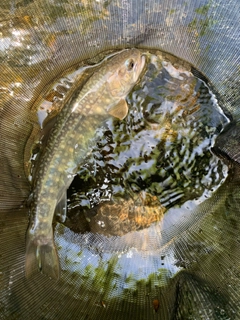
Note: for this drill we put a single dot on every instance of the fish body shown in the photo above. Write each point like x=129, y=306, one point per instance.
x=102, y=95
x=124, y=216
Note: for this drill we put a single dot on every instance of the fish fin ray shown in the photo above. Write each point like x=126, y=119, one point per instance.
x=41, y=256
x=61, y=207
x=119, y=110
x=31, y=259
x=49, y=261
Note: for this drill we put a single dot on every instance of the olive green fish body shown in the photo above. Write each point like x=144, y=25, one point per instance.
x=103, y=94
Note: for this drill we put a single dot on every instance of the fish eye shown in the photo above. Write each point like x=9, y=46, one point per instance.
x=129, y=64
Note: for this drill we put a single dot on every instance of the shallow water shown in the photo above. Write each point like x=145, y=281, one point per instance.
x=144, y=183
x=193, y=273
x=159, y=157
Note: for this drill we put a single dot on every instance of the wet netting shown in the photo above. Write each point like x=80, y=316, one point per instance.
x=151, y=226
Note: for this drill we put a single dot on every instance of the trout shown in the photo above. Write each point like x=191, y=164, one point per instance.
x=102, y=95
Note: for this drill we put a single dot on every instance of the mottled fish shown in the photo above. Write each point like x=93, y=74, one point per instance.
x=124, y=216
x=102, y=95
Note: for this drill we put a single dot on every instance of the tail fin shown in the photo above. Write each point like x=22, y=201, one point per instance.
x=41, y=254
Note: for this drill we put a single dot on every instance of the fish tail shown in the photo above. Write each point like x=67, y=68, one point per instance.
x=41, y=254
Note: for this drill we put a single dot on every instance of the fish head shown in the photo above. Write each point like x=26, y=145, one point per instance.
x=127, y=67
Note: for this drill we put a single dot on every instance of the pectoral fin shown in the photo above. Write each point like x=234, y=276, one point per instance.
x=119, y=110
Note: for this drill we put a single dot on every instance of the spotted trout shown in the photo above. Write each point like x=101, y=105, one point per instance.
x=102, y=95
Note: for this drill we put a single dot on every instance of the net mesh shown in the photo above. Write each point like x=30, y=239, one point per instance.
x=195, y=276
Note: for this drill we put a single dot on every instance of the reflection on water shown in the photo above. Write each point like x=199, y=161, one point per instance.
x=184, y=256
x=162, y=150
x=143, y=185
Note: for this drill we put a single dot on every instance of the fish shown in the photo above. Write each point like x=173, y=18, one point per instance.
x=124, y=216
x=103, y=95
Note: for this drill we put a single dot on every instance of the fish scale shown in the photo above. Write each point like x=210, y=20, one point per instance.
x=102, y=95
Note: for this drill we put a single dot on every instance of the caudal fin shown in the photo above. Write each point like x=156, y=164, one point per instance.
x=43, y=257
